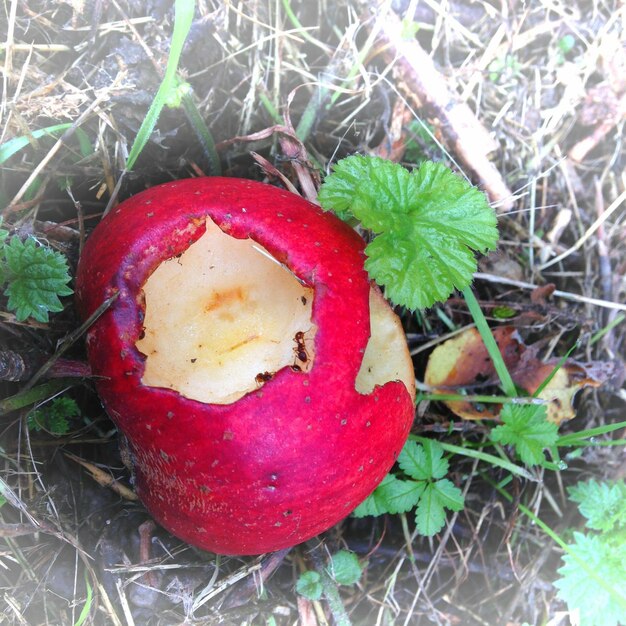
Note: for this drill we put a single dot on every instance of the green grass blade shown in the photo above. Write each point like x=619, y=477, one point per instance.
x=291, y=16
x=84, y=143
x=458, y=397
x=202, y=132
x=490, y=343
x=183, y=11
x=270, y=108
x=554, y=371
x=482, y=456
x=607, y=329
x=11, y=147
x=577, y=439
x=35, y=394
x=84, y=614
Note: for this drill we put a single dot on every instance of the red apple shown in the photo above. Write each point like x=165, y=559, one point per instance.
x=263, y=383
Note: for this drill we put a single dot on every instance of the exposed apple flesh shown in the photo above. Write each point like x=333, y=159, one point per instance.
x=256, y=463
x=222, y=318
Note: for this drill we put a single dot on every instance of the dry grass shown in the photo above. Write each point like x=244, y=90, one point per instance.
x=68, y=541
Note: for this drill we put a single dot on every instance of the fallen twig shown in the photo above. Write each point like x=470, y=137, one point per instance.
x=104, y=478
x=581, y=149
x=467, y=137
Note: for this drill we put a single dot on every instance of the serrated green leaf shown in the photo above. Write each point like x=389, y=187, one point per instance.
x=602, y=503
x=423, y=461
x=526, y=428
x=597, y=602
x=391, y=496
x=338, y=190
x=429, y=224
x=399, y=495
x=450, y=496
x=37, y=276
x=430, y=515
x=309, y=585
x=345, y=568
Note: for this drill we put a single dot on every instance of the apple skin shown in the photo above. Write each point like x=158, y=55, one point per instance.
x=283, y=463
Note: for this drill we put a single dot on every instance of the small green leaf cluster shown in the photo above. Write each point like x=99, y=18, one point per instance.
x=593, y=577
x=344, y=569
x=53, y=417
x=309, y=585
x=428, y=222
x=526, y=428
x=564, y=46
x=504, y=68
x=420, y=140
x=35, y=277
x=426, y=489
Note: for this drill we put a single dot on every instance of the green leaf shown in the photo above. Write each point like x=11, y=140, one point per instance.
x=309, y=585
x=345, y=568
x=597, y=602
x=391, y=496
x=37, y=276
x=430, y=515
x=4, y=233
x=54, y=416
x=30, y=396
x=424, y=461
x=603, y=504
x=9, y=148
x=429, y=224
x=449, y=495
x=526, y=428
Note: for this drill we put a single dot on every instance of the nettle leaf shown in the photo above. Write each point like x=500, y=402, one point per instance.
x=391, y=496
x=603, y=504
x=36, y=277
x=597, y=590
x=429, y=222
x=345, y=568
x=430, y=514
x=526, y=428
x=423, y=461
x=309, y=585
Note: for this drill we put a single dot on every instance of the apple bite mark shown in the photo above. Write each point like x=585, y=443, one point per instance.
x=387, y=357
x=222, y=318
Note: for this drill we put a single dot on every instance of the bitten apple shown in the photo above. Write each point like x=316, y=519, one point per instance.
x=262, y=382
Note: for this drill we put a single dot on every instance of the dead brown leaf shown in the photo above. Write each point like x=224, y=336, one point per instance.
x=463, y=365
